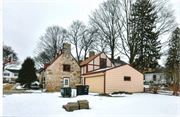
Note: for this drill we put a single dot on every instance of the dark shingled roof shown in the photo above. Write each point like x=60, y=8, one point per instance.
x=157, y=70
x=118, y=62
x=13, y=70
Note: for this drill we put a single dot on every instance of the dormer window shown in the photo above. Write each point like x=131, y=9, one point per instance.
x=66, y=68
x=103, y=63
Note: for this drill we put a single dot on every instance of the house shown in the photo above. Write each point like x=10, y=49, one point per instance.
x=102, y=76
x=38, y=74
x=10, y=75
x=63, y=71
x=157, y=77
x=118, y=62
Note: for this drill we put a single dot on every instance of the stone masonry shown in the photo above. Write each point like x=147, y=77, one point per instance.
x=55, y=73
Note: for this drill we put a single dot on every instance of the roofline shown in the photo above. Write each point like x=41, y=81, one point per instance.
x=153, y=72
x=111, y=69
x=13, y=69
x=57, y=58
x=124, y=65
x=75, y=60
x=91, y=60
x=96, y=57
x=109, y=58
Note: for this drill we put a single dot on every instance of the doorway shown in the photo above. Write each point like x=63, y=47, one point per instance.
x=66, y=82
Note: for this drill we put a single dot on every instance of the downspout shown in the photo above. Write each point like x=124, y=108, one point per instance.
x=104, y=82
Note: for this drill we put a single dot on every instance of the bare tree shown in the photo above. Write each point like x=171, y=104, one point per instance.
x=49, y=44
x=164, y=22
x=100, y=45
x=88, y=40
x=75, y=35
x=7, y=50
x=104, y=20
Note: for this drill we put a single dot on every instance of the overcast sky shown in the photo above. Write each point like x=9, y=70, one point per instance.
x=24, y=21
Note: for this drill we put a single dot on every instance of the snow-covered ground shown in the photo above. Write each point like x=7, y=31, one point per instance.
x=50, y=104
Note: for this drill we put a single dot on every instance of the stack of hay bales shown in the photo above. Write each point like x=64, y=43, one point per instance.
x=80, y=104
x=83, y=104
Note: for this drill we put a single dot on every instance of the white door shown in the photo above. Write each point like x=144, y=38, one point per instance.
x=66, y=82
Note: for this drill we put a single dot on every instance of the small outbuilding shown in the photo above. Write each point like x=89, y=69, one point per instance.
x=112, y=79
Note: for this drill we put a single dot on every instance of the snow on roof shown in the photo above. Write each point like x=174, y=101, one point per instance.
x=102, y=69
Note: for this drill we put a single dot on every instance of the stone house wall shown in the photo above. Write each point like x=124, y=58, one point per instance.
x=55, y=74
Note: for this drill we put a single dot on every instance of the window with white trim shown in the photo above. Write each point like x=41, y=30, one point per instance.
x=6, y=74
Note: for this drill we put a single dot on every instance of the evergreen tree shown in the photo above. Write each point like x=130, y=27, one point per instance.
x=142, y=20
x=172, y=64
x=27, y=73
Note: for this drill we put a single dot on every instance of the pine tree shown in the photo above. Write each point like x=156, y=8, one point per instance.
x=172, y=64
x=143, y=21
x=27, y=73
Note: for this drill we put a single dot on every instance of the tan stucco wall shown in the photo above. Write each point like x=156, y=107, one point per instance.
x=91, y=62
x=90, y=67
x=103, y=55
x=115, y=80
x=96, y=61
x=55, y=73
x=95, y=82
x=96, y=67
x=81, y=70
x=109, y=62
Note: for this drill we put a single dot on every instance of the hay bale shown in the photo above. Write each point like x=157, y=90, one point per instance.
x=83, y=104
x=71, y=106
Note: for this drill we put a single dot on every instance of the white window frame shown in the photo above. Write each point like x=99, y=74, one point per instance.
x=82, y=81
x=64, y=81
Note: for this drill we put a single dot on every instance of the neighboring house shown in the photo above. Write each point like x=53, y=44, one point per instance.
x=118, y=62
x=10, y=74
x=100, y=73
x=157, y=77
x=63, y=71
x=38, y=74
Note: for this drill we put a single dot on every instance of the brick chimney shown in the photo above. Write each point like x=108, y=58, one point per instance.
x=66, y=48
x=91, y=53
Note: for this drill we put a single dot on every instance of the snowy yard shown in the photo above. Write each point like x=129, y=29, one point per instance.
x=50, y=104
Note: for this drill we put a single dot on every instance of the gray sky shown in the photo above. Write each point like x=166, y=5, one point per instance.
x=24, y=21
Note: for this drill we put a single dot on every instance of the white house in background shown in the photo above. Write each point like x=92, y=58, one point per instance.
x=10, y=74
x=157, y=77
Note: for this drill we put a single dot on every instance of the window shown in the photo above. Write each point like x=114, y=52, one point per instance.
x=16, y=74
x=103, y=63
x=66, y=67
x=6, y=74
x=66, y=82
x=154, y=77
x=171, y=78
x=127, y=78
x=82, y=81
